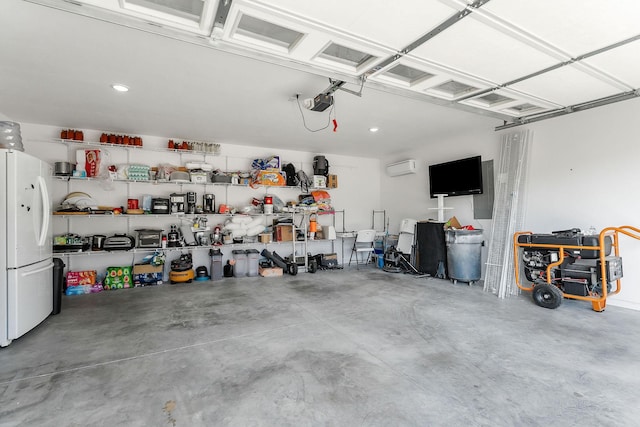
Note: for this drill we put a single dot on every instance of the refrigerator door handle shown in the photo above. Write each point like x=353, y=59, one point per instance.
x=46, y=211
x=40, y=270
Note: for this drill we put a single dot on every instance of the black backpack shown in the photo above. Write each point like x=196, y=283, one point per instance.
x=292, y=177
x=227, y=270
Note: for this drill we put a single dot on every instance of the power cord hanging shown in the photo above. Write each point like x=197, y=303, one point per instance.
x=329, y=120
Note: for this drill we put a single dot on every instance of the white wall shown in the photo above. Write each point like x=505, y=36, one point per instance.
x=407, y=196
x=356, y=176
x=583, y=172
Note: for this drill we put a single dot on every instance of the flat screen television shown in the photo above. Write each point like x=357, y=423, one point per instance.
x=457, y=178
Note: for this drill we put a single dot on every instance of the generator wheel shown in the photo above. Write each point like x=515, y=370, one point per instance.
x=313, y=266
x=547, y=296
x=292, y=268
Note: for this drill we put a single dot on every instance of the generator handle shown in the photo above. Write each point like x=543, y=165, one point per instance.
x=627, y=230
x=516, y=261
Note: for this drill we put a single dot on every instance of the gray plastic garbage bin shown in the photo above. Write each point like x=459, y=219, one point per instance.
x=464, y=253
x=240, y=267
x=253, y=258
x=216, y=264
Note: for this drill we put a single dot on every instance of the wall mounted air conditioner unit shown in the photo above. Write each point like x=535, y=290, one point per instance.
x=402, y=168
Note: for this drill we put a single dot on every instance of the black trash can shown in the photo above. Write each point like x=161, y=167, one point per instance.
x=58, y=277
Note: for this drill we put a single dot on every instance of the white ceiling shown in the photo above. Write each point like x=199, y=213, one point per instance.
x=208, y=76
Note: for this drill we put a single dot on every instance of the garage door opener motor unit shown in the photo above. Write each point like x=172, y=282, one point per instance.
x=570, y=264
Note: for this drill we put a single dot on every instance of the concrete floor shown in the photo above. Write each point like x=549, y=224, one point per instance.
x=335, y=348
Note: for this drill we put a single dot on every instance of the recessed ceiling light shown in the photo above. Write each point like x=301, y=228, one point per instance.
x=373, y=129
x=119, y=87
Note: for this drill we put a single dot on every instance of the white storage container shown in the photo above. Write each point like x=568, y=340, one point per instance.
x=240, y=267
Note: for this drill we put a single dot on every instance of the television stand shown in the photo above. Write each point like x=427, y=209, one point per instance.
x=441, y=208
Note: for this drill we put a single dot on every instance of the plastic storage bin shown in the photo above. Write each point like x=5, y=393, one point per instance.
x=240, y=267
x=464, y=253
x=253, y=256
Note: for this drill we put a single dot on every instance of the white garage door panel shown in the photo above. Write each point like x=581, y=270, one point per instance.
x=574, y=26
x=475, y=48
x=566, y=86
x=392, y=24
x=622, y=63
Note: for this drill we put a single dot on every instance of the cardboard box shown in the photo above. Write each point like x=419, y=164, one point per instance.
x=284, y=233
x=265, y=237
x=77, y=278
x=332, y=181
x=147, y=274
x=319, y=181
x=270, y=272
x=453, y=224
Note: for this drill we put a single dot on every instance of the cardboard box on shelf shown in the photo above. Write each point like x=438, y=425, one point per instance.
x=332, y=181
x=284, y=233
x=270, y=272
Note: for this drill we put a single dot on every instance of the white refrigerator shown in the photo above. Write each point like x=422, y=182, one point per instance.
x=26, y=260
